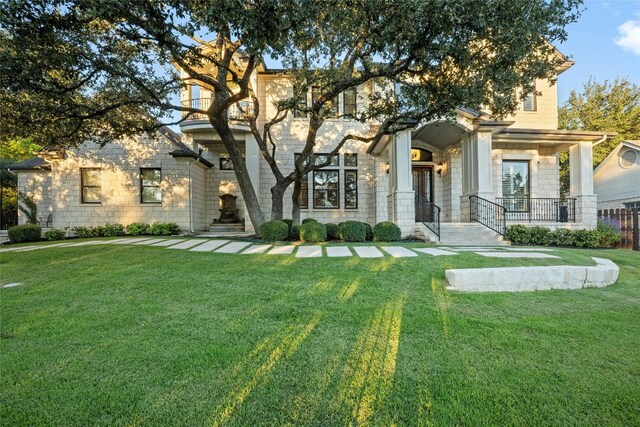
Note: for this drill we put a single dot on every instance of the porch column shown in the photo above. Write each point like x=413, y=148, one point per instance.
x=477, y=170
x=401, y=199
x=252, y=159
x=581, y=183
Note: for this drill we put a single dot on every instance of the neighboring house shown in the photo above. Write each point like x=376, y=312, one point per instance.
x=616, y=181
x=438, y=174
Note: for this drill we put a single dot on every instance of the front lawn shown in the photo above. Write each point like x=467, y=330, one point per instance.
x=133, y=335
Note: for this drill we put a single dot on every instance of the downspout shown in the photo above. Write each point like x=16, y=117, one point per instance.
x=190, y=201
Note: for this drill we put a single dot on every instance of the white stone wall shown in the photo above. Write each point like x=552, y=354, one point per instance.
x=37, y=185
x=120, y=164
x=451, y=184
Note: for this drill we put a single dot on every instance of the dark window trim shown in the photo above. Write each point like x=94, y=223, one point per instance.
x=142, y=187
x=526, y=207
x=225, y=168
x=353, y=171
x=353, y=156
x=315, y=91
x=354, y=104
x=82, y=186
x=314, y=189
x=297, y=114
x=302, y=191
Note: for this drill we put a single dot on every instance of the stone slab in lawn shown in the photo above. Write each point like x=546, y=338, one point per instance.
x=169, y=242
x=281, y=250
x=149, y=242
x=209, y=246
x=11, y=285
x=338, y=251
x=233, y=247
x=187, y=244
x=368, y=252
x=256, y=249
x=309, y=252
x=435, y=252
x=516, y=255
x=528, y=249
x=127, y=241
x=398, y=251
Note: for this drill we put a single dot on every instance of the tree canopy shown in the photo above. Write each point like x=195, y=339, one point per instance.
x=78, y=70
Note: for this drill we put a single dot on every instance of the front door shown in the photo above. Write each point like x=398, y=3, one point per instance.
x=423, y=190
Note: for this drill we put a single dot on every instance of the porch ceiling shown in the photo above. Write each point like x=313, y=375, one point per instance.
x=439, y=134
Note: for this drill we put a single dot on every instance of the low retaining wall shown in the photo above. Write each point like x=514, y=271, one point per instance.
x=523, y=279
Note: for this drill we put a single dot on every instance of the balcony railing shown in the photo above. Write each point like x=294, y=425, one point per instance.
x=240, y=111
x=491, y=215
x=539, y=209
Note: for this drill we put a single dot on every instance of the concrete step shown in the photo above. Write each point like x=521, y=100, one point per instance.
x=227, y=228
x=463, y=234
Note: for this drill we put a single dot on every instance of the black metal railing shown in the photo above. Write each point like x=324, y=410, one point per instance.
x=539, y=209
x=239, y=111
x=488, y=213
x=428, y=213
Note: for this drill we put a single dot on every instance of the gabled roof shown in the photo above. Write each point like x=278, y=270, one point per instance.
x=35, y=164
x=633, y=144
x=182, y=150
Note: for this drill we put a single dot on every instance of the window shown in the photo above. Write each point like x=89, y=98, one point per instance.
x=299, y=112
x=150, y=191
x=304, y=193
x=351, y=189
x=515, y=185
x=319, y=159
x=91, y=185
x=529, y=102
x=349, y=100
x=332, y=105
x=350, y=160
x=628, y=158
x=226, y=164
x=326, y=189
x=632, y=205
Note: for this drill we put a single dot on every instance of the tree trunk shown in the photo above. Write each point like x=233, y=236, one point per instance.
x=295, y=198
x=242, y=175
x=277, y=201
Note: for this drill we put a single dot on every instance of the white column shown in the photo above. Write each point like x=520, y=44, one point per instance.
x=477, y=170
x=252, y=160
x=401, y=200
x=581, y=183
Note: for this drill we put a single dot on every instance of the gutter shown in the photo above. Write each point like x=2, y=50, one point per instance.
x=190, y=201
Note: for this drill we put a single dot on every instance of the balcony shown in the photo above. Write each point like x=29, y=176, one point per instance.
x=526, y=209
x=238, y=115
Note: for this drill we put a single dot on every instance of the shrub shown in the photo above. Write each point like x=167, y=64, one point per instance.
x=333, y=232
x=137, y=228
x=608, y=233
x=289, y=224
x=112, y=230
x=518, y=234
x=353, y=231
x=98, y=231
x=295, y=233
x=313, y=231
x=163, y=229
x=55, y=234
x=83, y=232
x=386, y=231
x=306, y=220
x=24, y=233
x=562, y=237
x=539, y=235
x=274, y=231
x=369, y=231
x=586, y=238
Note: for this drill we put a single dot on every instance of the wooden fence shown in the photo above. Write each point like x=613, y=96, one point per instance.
x=629, y=227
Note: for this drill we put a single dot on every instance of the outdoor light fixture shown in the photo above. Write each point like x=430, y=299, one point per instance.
x=439, y=168
x=386, y=168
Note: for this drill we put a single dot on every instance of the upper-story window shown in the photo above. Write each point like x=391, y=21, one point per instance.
x=529, y=102
x=299, y=112
x=331, y=105
x=349, y=102
x=91, y=185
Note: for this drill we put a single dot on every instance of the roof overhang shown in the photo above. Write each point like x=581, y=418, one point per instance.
x=550, y=136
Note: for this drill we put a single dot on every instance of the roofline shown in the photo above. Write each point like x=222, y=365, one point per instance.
x=631, y=144
x=200, y=159
x=553, y=134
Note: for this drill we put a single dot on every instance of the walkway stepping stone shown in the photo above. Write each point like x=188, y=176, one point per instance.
x=169, y=242
x=233, y=247
x=399, y=251
x=336, y=251
x=368, y=252
x=150, y=242
x=516, y=255
x=11, y=285
x=281, y=250
x=256, y=249
x=12, y=249
x=187, y=244
x=468, y=249
x=90, y=242
x=309, y=252
x=209, y=246
x=117, y=241
x=127, y=241
x=434, y=251
x=33, y=248
x=529, y=249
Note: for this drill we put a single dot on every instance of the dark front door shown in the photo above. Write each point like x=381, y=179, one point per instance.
x=423, y=189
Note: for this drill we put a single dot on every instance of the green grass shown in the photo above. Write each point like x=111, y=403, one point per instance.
x=112, y=335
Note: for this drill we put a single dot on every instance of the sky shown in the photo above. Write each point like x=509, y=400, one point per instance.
x=604, y=43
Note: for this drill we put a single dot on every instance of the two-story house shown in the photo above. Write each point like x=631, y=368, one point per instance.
x=476, y=174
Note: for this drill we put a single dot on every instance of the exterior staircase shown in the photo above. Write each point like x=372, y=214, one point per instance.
x=230, y=229
x=461, y=234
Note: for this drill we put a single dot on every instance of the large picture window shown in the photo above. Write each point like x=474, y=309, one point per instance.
x=515, y=185
x=91, y=185
x=150, y=191
x=326, y=189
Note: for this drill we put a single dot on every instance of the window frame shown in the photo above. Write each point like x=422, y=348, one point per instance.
x=142, y=187
x=337, y=172
x=334, y=110
x=513, y=205
x=302, y=102
x=534, y=101
x=350, y=156
x=354, y=104
x=83, y=186
x=347, y=190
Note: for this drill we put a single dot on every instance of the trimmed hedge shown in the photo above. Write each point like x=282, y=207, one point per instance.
x=137, y=228
x=163, y=229
x=313, y=232
x=604, y=236
x=54, y=234
x=24, y=233
x=273, y=231
x=295, y=233
x=369, y=230
x=306, y=220
x=386, y=231
x=333, y=231
x=113, y=230
x=353, y=231
x=289, y=224
x=82, y=232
